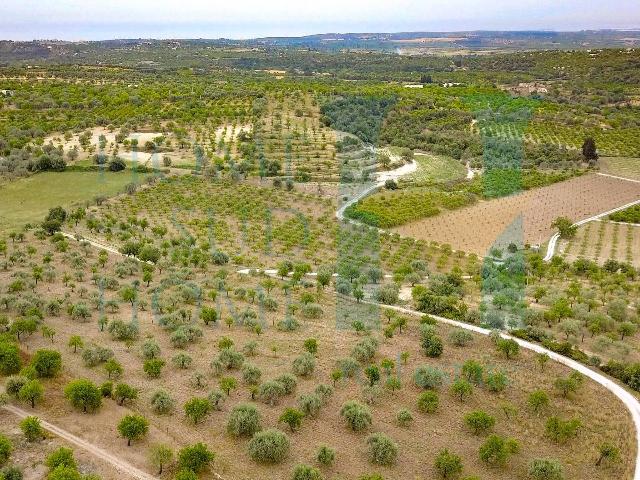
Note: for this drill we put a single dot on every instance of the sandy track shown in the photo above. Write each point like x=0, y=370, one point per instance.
x=120, y=465
x=625, y=397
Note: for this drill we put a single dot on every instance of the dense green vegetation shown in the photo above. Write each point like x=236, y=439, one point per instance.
x=360, y=116
x=629, y=215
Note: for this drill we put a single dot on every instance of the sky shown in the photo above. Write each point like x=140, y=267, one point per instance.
x=92, y=20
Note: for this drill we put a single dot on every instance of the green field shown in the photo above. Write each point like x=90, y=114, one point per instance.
x=29, y=199
x=436, y=168
x=628, y=167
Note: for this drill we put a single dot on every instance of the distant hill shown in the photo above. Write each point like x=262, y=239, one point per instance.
x=413, y=43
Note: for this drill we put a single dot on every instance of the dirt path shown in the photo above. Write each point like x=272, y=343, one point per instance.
x=379, y=183
x=625, y=397
x=122, y=466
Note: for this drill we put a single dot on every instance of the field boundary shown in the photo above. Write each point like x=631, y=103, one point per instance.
x=553, y=241
x=617, y=177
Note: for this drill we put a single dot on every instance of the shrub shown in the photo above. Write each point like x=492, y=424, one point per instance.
x=215, y=398
x=244, y=419
x=32, y=428
x=404, y=417
x=182, y=360
x=304, y=365
x=162, y=402
x=570, y=384
x=461, y=389
x=270, y=392
x=47, y=363
x=106, y=389
x=14, y=384
x=326, y=455
x=428, y=377
x=60, y=457
x=448, y=465
x=323, y=391
x=218, y=257
x=5, y=449
x=348, y=366
x=460, y=337
x=609, y=453
x=311, y=310
x=545, y=469
x=269, y=446
x=153, y=367
x=357, y=415
x=150, y=349
x=251, y=374
x=432, y=346
x=310, y=404
x=538, y=400
x=197, y=408
x=496, y=381
x=230, y=358
x=561, y=430
x=497, y=450
x=311, y=345
x=288, y=381
x=387, y=294
x=95, y=355
x=479, y=421
x=472, y=371
x=186, y=474
x=382, y=450
x=305, y=472
x=428, y=402
x=195, y=457
x=365, y=350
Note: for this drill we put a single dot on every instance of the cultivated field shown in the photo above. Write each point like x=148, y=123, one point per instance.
x=476, y=228
x=291, y=133
x=627, y=167
x=602, y=241
x=603, y=417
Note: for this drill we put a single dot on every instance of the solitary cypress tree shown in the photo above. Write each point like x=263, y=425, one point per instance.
x=589, y=151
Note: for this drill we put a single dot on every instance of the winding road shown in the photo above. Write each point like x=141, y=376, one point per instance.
x=627, y=398
x=382, y=177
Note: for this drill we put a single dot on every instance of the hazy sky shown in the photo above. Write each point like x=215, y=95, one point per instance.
x=91, y=20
